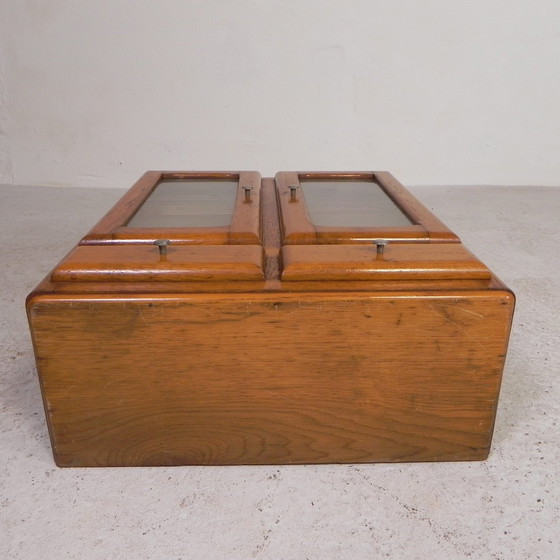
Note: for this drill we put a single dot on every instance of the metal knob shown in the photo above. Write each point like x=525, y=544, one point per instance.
x=162, y=244
x=380, y=245
x=247, y=193
x=293, y=192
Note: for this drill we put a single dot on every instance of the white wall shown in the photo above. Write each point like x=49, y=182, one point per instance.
x=94, y=92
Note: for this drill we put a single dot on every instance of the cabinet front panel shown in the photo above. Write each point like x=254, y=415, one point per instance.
x=270, y=379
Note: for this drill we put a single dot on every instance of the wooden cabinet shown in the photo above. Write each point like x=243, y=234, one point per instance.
x=223, y=318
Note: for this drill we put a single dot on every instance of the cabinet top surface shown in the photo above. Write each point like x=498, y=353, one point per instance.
x=221, y=231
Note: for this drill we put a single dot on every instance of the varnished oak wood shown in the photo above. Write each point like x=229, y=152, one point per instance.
x=449, y=261
x=298, y=228
x=142, y=263
x=294, y=218
x=123, y=209
x=304, y=346
x=243, y=229
x=274, y=379
x=437, y=231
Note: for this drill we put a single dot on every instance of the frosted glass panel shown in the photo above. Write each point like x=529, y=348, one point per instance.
x=351, y=204
x=187, y=204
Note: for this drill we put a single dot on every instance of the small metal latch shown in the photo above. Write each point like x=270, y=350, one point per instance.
x=380, y=244
x=247, y=193
x=162, y=244
x=293, y=191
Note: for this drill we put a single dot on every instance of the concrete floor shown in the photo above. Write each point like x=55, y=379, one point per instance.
x=504, y=508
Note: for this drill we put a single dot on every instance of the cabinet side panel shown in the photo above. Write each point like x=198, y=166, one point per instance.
x=257, y=379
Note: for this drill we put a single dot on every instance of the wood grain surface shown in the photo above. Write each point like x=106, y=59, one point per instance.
x=143, y=263
x=399, y=262
x=244, y=226
x=298, y=227
x=215, y=380
x=271, y=340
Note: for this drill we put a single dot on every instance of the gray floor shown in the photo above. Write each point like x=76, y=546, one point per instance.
x=504, y=508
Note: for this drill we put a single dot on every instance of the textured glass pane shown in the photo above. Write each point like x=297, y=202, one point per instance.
x=187, y=204
x=351, y=204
